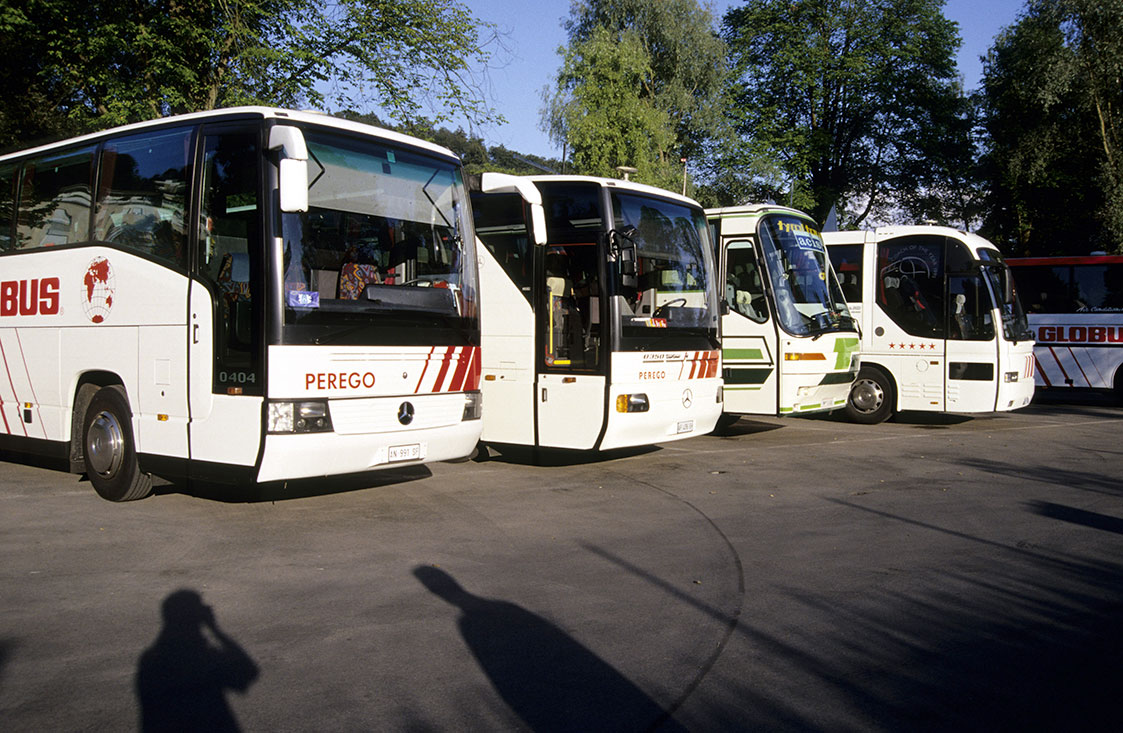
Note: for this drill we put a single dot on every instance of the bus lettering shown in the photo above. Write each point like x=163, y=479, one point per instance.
x=653, y=375
x=29, y=297
x=339, y=380
x=1080, y=334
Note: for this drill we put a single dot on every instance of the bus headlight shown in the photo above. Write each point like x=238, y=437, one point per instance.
x=473, y=406
x=632, y=403
x=298, y=417
x=1009, y=377
x=720, y=394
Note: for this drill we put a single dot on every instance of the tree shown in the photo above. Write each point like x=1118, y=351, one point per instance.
x=605, y=114
x=663, y=64
x=853, y=100
x=90, y=64
x=1054, y=114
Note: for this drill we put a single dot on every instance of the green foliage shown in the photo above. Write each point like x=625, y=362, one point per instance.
x=858, y=101
x=1054, y=91
x=91, y=64
x=639, y=86
x=687, y=58
x=605, y=112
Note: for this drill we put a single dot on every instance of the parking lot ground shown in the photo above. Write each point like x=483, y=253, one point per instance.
x=931, y=573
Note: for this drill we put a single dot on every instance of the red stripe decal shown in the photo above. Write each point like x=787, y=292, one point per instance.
x=423, y=370
x=4, y=356
x=457, y=383
x=31, y=385
x=1073, y=354
x=444, y=370
x=1043, y=373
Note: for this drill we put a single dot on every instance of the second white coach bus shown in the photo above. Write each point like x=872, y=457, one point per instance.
x=1075, y=308
x=942, y=327
x=248, y=294
x=789, y=345
x=599, y=313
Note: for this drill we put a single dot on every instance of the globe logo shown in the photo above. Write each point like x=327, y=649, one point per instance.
x=98, y=287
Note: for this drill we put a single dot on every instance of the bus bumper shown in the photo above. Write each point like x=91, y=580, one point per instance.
x=367, y=436
x=676, y=410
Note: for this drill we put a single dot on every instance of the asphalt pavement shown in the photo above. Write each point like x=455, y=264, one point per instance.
x=930, y=573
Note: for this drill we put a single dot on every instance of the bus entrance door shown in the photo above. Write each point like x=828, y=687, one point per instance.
x=749, y=337
x=972, y=345
x=571, y=375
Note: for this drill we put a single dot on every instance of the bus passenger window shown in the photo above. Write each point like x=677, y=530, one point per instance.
x=7, y=205
x=54, y=200
x=142, y=194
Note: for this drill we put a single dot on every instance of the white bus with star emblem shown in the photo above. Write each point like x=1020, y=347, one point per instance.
x=243, y=295
x=942, y=327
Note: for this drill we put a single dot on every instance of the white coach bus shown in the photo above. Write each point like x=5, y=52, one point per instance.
x=1075, y=308
x=789, y=345
x=942, y=327
x=248, y=294
x=599, y=313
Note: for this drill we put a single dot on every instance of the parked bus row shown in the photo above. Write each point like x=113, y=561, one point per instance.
x=263, y=295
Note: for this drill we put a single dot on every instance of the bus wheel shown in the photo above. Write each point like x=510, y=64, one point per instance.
x=871, y=398
x=109, y=449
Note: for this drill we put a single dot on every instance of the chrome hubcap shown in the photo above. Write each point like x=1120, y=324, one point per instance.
x=105, y=444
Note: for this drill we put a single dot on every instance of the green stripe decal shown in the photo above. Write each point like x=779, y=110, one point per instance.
x=733, y=375
x=746, y=354
x=845, y=348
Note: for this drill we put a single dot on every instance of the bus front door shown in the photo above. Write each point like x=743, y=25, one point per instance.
x=972, y=346
x=749, y=337
x=571, y=384
x=226, y=382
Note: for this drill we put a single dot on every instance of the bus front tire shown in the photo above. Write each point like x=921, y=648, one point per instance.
x=109, y=450
x=871, y=397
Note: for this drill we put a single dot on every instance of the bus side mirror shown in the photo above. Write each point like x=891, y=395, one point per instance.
x=293, y=167
x=1007, y=287
x=623, y=245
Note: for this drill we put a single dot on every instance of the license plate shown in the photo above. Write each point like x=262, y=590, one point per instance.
x=404, y=452
x=685, y=427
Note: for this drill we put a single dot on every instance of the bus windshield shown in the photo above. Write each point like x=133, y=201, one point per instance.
x=384, y=250
x=672, y=289
x=1015, y=325
x=809, y=300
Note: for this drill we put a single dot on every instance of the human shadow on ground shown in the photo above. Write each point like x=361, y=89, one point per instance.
x=549, y=679
x=183, y=678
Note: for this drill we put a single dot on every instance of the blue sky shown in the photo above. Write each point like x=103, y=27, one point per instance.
x=533, y=32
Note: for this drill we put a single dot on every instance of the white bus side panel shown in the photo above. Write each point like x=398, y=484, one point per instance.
x=114, y=313
x=18, y=389
x=915, y=363
x=507, y=345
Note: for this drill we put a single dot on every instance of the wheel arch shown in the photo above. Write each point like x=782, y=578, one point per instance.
x=888, y=375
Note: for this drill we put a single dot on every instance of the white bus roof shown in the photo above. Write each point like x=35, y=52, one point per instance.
x=265, y=113
x=974, y=241
x=614, y=183
x=755, y=210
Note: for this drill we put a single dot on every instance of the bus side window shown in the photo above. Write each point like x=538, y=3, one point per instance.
x=910, y=286
x=142, y=194
x=846, y=259
x=744, y=287
x=54, y=199
x=7, y=205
